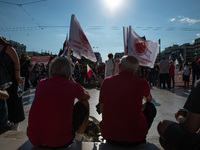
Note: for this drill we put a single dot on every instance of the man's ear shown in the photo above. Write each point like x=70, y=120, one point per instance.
x=119, y=67
x=69, y=76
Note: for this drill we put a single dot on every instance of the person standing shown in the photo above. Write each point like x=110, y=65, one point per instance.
x=186, y=75
x=152, y=75
x=109, y=67
x=121, y=95
x=26, y=66
x=195, y=70
x=116, y=64
x=164, y=72
x=171, y=73
x=14, y=103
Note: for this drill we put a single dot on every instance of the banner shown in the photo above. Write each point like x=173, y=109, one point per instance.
x=41, y=58
x=145, y=51
x=125, y=36
x=78, y=41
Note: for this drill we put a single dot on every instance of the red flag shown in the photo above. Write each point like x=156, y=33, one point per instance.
x=78, y=41
x=89, y=71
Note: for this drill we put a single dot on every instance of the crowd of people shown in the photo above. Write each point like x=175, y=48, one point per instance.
x=124, y=85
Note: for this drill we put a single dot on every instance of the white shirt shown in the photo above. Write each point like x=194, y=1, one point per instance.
x=109, y=68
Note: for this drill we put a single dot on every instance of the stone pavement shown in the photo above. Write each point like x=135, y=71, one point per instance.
x=167, y=103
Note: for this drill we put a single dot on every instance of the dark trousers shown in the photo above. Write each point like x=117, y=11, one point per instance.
x=3, y=112
x=165, y=78
x=150, y=112
x=172, y=78
x=194, y=75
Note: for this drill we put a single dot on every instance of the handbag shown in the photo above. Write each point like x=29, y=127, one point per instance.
x=5, y=77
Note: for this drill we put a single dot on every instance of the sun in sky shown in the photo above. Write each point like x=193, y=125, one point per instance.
x=112, y=4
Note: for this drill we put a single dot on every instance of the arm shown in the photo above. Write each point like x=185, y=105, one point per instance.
x=148, y=98
x=190, y=123
x=4, y=94
x=101, y=107
x=13, y=55
x=86, y=96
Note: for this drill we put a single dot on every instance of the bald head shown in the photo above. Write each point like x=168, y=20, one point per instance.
x=129, y=63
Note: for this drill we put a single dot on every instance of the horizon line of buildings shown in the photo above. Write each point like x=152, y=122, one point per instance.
x=187, y=50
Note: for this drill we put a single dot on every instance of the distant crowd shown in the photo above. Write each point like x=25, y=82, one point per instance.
x=162, y=74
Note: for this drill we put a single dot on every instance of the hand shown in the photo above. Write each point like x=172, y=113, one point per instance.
x=180, y=113
x=20, y=81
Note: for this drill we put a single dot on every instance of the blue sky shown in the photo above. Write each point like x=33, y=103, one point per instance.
x=43, y=24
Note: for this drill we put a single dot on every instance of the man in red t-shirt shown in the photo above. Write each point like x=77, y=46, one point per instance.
x=54, y=120
x=125, y=121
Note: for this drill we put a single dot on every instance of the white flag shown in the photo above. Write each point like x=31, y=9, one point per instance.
x=176, y=62
x=125, y=36
x=78, y=42
x=181, y=56
x=170, y=58
x=145, y=51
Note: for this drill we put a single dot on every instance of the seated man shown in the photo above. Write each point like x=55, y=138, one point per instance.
x=125, y=121
x=54, y=120
x=184, y=134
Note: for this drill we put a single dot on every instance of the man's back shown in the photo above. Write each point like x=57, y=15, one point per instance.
x=50, y=117
x=122, y=117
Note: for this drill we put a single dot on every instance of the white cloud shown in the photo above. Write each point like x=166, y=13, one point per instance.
x=198, y=34
x=190, y=21
x=173, y=19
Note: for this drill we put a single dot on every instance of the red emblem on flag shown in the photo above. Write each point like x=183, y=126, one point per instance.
x=140, y=46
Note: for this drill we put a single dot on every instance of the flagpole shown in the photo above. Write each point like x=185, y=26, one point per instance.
x=69, y=52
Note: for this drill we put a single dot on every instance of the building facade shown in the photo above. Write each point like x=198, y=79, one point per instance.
x=183, y=53
x=197, y=46
x=98, y=56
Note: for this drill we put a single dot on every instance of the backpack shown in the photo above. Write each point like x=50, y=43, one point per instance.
x=5, y=77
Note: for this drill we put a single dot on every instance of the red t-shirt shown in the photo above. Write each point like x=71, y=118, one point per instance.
x=171, y=70
x=122, y=116
x=50, y=116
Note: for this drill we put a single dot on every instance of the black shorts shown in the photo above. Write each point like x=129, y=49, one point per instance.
x=79, y=113
x=176, y=136
x=186, y=78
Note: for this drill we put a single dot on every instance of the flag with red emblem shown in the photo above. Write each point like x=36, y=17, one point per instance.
x=145, y=51
x=78, y=41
